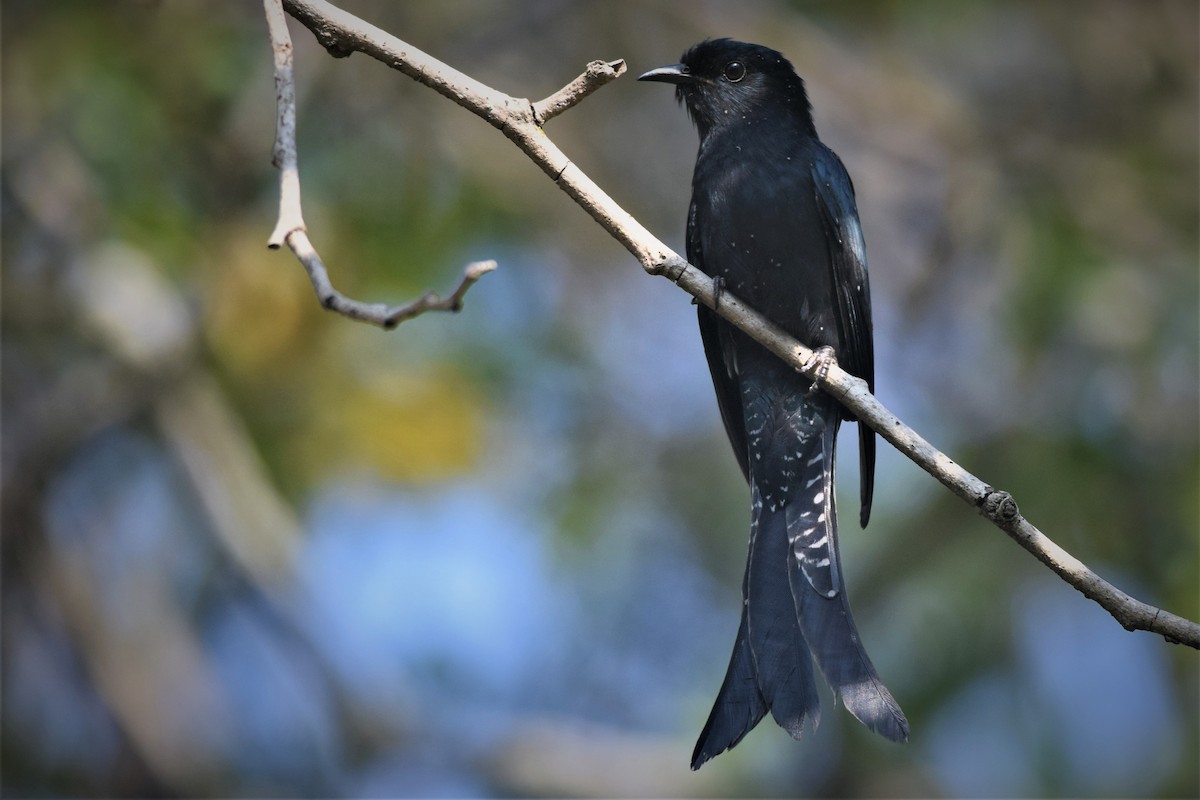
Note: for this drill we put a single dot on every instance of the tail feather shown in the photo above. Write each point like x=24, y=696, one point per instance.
x=785, y=671
x=770, y=668
x=739, y=705
x=821, y=603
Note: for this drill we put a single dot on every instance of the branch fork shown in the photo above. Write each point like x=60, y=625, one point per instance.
x=290, y=229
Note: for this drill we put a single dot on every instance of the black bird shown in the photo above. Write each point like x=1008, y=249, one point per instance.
x=773, y=220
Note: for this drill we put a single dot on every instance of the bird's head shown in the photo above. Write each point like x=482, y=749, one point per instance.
x=722, y=81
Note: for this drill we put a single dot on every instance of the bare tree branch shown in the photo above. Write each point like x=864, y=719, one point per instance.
x=342, y=33
x=290, y=228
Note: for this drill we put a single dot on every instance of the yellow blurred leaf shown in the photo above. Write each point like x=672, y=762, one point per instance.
x=424, y=426
x=256, y=304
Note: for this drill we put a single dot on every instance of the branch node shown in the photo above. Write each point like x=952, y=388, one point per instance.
x=999, y=507
x=431, y=301
x=672, y=267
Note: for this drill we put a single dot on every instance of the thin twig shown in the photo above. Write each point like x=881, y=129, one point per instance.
x=596, y=75
x=380, y=314
x=520, y=120
x=290, y=228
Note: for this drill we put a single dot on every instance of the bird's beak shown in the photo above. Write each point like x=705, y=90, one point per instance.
x=672, y=73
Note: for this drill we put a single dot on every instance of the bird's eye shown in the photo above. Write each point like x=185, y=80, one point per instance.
x=734, y=71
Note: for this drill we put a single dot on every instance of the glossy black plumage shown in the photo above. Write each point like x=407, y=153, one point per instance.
x=773, y=217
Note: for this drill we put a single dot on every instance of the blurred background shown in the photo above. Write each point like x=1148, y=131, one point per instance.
x=253, y=549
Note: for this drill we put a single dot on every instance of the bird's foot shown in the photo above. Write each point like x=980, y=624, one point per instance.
x=821, y=360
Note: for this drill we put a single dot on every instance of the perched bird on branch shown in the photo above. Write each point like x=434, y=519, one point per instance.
x=773, y=220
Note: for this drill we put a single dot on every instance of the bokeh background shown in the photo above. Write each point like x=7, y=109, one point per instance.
x=253, y=549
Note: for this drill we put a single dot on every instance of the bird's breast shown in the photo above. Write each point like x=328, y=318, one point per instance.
x=759, y=228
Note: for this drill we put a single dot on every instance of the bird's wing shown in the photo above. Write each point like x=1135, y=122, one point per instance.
x=848, y=260
x=722, y=363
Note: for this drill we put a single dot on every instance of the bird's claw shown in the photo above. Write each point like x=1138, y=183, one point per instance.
x=718, y=284
x=821, y=360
